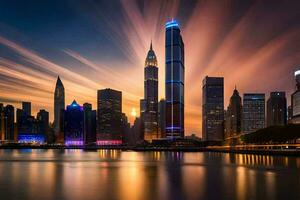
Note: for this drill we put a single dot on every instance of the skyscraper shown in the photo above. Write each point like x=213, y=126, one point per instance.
x=233, y=121
x=276, y=109
x=89, y=124
x=253, y=112
x=150, y=116
x=43, y=121
x=174, y=48
x=74, y=125
x=109, y=117
x=296, y=100
x=59, y=107
x=26, y=106
x=9, y=118
x=213, y=108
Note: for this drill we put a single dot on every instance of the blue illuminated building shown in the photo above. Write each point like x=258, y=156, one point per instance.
x=74, y=125
x=174, y=48
x=31, y=138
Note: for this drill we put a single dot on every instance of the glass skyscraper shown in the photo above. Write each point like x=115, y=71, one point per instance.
x=150, y=115
x=213, y=108
x=174, y=48
x=253, y=112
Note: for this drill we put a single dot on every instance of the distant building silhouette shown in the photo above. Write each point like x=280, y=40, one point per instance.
x=162, y=117
x=9, y=118
x=90, y=124
x=150, y=115
x=43, y=123
x=7, y=115
x=213, y=108
x=233, y=121
x=276, y=109
x=26, y=107
x=109, y=117
x=253, y=112
x=174, y=52
x=74, y=125
x=2, y=125
x=31, y=129
x=59, y=107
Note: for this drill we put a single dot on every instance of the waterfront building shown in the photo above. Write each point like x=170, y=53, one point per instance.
x=277, y=109
x=150, y=114
x=59, y=107
x=90, y=124
x=174, y=81
x=43, y=122
x=9, y=118
x=296, y=100
x=233, y=120
x=253, y=112
x=74, y=125
x=213, y=108
x=109, y=117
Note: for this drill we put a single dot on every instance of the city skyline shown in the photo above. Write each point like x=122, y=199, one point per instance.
x=218, y=42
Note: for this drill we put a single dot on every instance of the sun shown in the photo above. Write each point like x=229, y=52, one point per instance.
x=133, y=112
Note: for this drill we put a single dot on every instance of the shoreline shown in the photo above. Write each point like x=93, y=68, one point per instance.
x=254, y=151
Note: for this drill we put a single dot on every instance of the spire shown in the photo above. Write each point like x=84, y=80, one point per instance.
x=59, y=82
x=151, y=45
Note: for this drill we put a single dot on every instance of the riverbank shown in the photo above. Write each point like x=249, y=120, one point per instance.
x=238, y=150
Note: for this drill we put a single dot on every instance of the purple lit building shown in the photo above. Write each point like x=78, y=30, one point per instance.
x=74, y=125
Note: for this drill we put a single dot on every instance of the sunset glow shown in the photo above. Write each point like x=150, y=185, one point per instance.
x=105, y=46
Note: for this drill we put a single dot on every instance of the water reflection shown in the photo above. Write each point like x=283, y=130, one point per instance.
x=112, y=174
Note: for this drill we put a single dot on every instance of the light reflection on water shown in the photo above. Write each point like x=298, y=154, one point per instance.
x=113, y=174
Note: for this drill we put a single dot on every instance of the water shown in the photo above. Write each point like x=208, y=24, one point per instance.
x=112, y=174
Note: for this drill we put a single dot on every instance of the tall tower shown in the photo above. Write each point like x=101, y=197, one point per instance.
x=174, y=48
x=151, y=97
x=59, y=106
x=233, y=121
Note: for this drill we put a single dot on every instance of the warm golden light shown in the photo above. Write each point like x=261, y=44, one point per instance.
x=133, y=112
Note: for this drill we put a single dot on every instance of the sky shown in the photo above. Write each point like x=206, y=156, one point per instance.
x=93, y=45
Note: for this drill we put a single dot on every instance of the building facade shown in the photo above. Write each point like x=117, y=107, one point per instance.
x=74, y=125
x=109, y=117
x=59, y=107
x=296, y=100
x=233, y=120
x=253, y=112
x=277, y=109
x=174, y=85
x=213, y=109
x=90, y=124
x=150, y=115
x=162, y=117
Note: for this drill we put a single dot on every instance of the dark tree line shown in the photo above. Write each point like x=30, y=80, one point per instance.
x=273, y=134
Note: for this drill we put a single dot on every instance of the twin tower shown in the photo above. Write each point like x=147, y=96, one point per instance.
x=174, y=89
